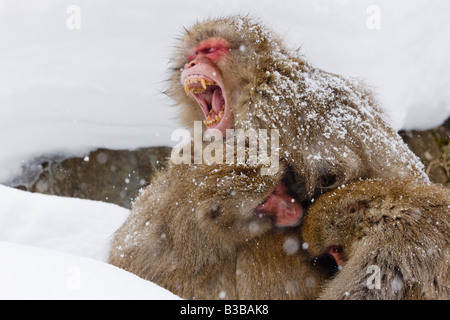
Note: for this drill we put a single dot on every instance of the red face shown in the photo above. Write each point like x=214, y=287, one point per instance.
x=202, y=79
x=285, y=209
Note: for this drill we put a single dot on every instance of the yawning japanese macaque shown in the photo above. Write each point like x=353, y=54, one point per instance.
x=213, y=231
x=233, y=73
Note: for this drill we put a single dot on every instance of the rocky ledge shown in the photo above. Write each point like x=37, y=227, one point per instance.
x=116, y=176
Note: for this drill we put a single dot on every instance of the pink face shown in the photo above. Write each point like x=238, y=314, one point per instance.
x=284, y=209
x=203, y=80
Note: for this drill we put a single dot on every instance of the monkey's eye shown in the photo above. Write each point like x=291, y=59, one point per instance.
x=209, y=50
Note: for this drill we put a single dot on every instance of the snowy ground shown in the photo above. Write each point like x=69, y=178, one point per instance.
x=69, y=86
x=55, y=248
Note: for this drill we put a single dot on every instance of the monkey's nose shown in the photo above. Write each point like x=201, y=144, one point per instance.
x=191, y=64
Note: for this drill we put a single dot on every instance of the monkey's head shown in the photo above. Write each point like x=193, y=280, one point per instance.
x=336, y=219
x=235, y=73
x=216, y=67
x=238, y=203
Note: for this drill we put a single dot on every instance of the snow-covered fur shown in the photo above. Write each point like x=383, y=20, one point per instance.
x=194, y=232
x=194, y=229
x=394, y=236
x=331, y=129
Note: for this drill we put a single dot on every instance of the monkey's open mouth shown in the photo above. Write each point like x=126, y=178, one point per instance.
x=209, y=96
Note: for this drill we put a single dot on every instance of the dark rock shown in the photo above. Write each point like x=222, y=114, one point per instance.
x=433, y=149
x=114, y=176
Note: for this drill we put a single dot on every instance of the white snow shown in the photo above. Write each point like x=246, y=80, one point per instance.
x=28, y=272
x=73, y=83
x=75, y=226
x=56, y=248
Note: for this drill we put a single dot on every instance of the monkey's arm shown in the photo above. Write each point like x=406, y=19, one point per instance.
x=393, y=239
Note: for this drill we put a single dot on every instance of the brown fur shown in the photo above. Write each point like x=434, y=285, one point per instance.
x=331, y=129
x=276, y=266
x=197, y=235
x=400, y=226
x=331, y=132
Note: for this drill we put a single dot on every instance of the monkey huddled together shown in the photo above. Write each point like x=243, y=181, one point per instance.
x=350, y=214
x=398, y=227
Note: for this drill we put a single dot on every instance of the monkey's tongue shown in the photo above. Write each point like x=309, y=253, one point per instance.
x=217, y=101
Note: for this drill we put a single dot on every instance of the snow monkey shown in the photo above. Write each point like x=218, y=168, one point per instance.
x=233, y=73
x=198, y=236
x=391, y=239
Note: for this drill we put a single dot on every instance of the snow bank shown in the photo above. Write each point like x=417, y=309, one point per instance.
x=70, y=86
x=35, y=273
x=55, y=248
x=75, y=226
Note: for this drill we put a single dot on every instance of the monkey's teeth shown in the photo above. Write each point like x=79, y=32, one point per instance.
x=198, y=90
x=194, y=80
x=191, y=85
x=213, y=119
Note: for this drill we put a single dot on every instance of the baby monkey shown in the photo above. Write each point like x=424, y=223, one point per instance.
x=390, y=239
